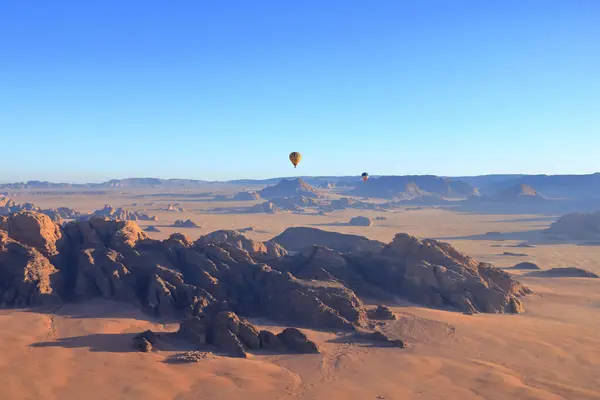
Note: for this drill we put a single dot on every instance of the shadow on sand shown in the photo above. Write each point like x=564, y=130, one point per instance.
x=533, y=237
x=100, y=342
x=360, y=340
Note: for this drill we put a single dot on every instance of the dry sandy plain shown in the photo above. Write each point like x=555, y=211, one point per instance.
x=550, y=352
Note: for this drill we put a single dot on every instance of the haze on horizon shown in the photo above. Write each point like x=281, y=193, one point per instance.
x=215, y=91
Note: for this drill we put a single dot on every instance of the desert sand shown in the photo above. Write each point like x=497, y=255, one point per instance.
x=552, y=351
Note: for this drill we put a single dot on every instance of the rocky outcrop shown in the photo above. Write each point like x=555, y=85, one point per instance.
x=185, y=223
x=526, y=265
x=346, y=202
x=289, y=188
x=577, y=226
x=360, y=221
x=381, y=313
x=425, y=271
x=299, y=238
x=151, y=228
x=173, y=208
x=33, y=229
x=119, y=214
x=520, y=192
x=27, y=277
x=407, y=188
x=267, y=207
x=238, y=240
x=566, y=272
x=223, y=275
x=294, y=203
x=8, y=206
x=246, y=196
x=236, y=336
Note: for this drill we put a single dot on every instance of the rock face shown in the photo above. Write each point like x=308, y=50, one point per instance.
x=577, y=226
x=185, y=223
x=289, y=188
x=295, y=239
x=425, y=271
x=238, y=240
x=33, y=229
x=360, y=221
x=119, y=214
x=27, y=278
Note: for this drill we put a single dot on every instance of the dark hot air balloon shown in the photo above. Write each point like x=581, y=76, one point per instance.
x=365, y=176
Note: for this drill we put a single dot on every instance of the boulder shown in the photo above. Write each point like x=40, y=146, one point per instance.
x=526, y=265
x=381, y=313
x=295, y=341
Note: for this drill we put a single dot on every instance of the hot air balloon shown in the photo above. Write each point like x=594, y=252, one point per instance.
x=295, y=158
x=365, y=176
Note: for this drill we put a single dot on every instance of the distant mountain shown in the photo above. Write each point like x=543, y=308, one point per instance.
x=577, y=226
x=289, y=188
x=553, y=186
x=412, y=186
x=519, y=192
x=153, y=182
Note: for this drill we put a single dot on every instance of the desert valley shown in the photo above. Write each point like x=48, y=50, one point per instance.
x=416, y=287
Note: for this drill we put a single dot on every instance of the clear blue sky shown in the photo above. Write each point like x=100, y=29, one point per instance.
x=207, y=89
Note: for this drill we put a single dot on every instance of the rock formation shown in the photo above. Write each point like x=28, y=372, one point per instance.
x=360, y=221
x=173, y=208
x=577, y=226
x=413, y=187
x=566, y=272
x=185, y=223
x=236, y=239
x=151, y=228
x=229, y=333
x=347, y=202
x=425, y=271
x=519, y=193
x=294, y=203
x=526, y=265
x=225, y=275
x=381, y=313
x=8, y=206
x=246, y=196
x=289, y=188
x=267, y=207
x=119, y=214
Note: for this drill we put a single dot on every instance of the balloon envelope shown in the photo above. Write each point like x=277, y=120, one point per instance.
x=365, y=176
x=295, y=158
